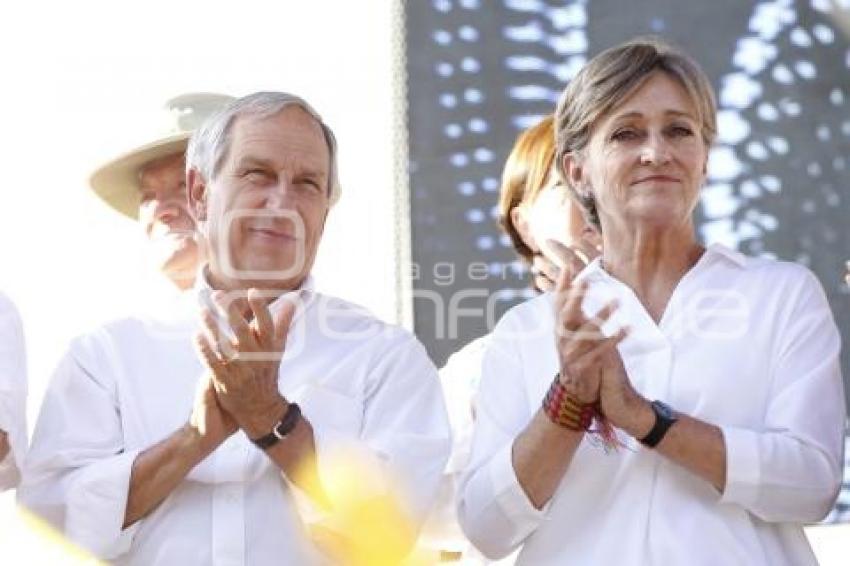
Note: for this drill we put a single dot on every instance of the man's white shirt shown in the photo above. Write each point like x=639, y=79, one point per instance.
x=749, y=345
x=130, y=384
x=13, y=392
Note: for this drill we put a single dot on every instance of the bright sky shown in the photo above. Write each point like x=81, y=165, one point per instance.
x=80, y=80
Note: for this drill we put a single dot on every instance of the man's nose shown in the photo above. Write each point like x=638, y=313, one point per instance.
x=279, y=194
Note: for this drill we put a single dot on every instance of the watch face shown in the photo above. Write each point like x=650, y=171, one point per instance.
x=664, y=410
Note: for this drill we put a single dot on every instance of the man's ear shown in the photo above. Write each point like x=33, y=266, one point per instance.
x=197, y=194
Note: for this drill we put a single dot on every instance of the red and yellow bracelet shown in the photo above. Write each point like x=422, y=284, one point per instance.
x=565, y=410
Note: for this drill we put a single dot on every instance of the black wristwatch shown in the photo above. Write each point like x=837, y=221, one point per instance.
x=664, y=419
x=281, y=429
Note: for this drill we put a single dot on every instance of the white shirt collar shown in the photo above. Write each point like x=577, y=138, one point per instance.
x=734, y=256
x=593, y=270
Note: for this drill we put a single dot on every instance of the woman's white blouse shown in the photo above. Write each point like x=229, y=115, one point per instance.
x=749, y=345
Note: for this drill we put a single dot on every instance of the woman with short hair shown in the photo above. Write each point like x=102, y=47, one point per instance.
x=670, y=403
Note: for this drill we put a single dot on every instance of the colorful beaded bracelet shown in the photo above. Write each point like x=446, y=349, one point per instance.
x=565, y=410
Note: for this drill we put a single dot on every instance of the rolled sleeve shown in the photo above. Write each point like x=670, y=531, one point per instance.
x=97, y=502
x=743, y=466
x=510, y=496
x=494, y=510
x=790, y=471
x=77, y=472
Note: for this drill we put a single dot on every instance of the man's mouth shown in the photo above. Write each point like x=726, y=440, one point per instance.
x=271, y=234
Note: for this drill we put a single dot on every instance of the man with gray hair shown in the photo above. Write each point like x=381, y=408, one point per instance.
x=284, y=378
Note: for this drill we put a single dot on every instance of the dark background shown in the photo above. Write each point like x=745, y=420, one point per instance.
x=480, y=71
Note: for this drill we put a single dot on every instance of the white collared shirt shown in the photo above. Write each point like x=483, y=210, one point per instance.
x=746, y=344
x=13, y=392
x=130, y=384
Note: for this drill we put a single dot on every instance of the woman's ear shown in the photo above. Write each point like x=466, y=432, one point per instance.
x=197, y=194
x=519, y=218
x=573, y=169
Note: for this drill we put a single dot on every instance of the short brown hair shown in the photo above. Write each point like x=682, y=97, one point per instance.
x=526, y=171
x=609, y=79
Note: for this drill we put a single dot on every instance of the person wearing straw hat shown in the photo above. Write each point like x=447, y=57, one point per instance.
x=147, y=184
x=214, y=436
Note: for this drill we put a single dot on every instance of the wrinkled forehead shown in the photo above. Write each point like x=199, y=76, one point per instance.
x=659, y=93
x=291, y=135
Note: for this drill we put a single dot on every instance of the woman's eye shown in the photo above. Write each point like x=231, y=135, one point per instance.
x=625, y=134
x=681, y=131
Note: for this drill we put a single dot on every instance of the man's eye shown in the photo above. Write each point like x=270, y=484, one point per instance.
x=256, y=174
x=311, y=184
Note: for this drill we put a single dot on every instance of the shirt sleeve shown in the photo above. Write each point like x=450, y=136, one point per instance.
x=405, y=422
x=13, y=393
x=404, y=435
x=790, y=471
x=493, y=509
x=77, y=473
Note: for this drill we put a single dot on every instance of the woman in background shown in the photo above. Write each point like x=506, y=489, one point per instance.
x=547, y=230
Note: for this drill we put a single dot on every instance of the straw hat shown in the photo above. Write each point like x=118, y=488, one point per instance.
x=117, y=182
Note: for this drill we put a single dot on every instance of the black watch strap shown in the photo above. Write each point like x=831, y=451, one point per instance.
x=664, y=419
x=281, y=429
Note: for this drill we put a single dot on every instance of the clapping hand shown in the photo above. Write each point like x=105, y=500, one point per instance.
x=547, y=265
x=244, y=368
x=581, y=345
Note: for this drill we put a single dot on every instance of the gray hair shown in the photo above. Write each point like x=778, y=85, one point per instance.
x=610, y=78
x=210, y=143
